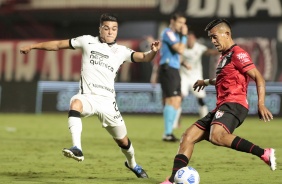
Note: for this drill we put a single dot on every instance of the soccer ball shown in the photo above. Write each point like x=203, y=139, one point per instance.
x=187, y=175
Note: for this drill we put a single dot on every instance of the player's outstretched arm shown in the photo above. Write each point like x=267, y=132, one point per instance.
x=263, y=112
x=147, y=56
x=49, y=46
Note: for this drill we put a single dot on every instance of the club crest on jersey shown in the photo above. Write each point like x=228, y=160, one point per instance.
x=219, y=114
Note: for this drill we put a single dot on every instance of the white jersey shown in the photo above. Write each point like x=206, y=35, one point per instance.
x=193, y=56
x=100, y=64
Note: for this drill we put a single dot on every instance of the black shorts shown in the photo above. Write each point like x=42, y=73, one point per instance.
x=170, y=81
x=228, y=115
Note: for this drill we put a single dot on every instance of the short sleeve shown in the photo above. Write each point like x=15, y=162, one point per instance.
x=170, y=37
x=78, y=41
x=243, y=61
x=129, y=54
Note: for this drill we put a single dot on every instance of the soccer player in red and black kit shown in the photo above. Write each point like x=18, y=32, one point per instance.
x=235, y=68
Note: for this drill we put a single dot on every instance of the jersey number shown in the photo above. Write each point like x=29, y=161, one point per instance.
x=115, y=104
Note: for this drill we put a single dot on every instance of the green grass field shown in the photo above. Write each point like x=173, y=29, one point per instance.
x=31, y=152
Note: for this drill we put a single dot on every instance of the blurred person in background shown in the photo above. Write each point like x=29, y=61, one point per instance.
x=101, y=59
x=192, y=71
x=234, y=70
x=145, y=69
x=173, y=42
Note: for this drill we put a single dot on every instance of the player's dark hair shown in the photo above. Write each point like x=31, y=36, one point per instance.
x=177, y=15
x=216, y=22
x=108, y=17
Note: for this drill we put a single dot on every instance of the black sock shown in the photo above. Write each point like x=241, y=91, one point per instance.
x=126, y=147
x=179, y=162
x=74, y=113
x=243, y=145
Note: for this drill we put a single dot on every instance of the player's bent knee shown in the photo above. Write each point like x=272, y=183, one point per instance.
x=216, y=139
x=187, y=138
x=76, y=105
x=124, y=143
x=121, y=141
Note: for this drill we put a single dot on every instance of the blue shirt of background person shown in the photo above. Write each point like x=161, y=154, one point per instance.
x=168, y=55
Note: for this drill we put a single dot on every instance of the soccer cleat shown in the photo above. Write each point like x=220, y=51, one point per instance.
x=269, y=158
x=138, y=171
x=170, y=138
x=166, y=181
x=74, y=153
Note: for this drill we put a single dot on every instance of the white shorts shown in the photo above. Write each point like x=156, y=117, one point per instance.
x=187, y=83
x=107, y=111
x=117, y=132
x=104, y=107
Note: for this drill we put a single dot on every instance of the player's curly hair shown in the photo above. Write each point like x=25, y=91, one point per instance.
x=216, y=22
x=108, y=17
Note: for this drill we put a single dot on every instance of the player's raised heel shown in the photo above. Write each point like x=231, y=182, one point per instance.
x=138, y=171
x=74, y=153
x=269, y=158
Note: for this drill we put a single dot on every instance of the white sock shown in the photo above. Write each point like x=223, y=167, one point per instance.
x=75, y=127
x=177, y=118
x=203, y=111
x=129, y=154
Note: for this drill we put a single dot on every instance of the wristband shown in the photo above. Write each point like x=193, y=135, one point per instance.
x=183, y=39
x=148, y=52
x=207, y=82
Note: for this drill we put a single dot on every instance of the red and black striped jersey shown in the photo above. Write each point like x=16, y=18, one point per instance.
x=231, y=78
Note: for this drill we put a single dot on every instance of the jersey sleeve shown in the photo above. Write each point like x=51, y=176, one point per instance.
x=128, y=54
x=170, y=38
x=243, y=61
x=78, y=41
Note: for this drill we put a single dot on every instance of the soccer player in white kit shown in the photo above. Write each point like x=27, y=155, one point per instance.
x=192, y=55
x=101, y=59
